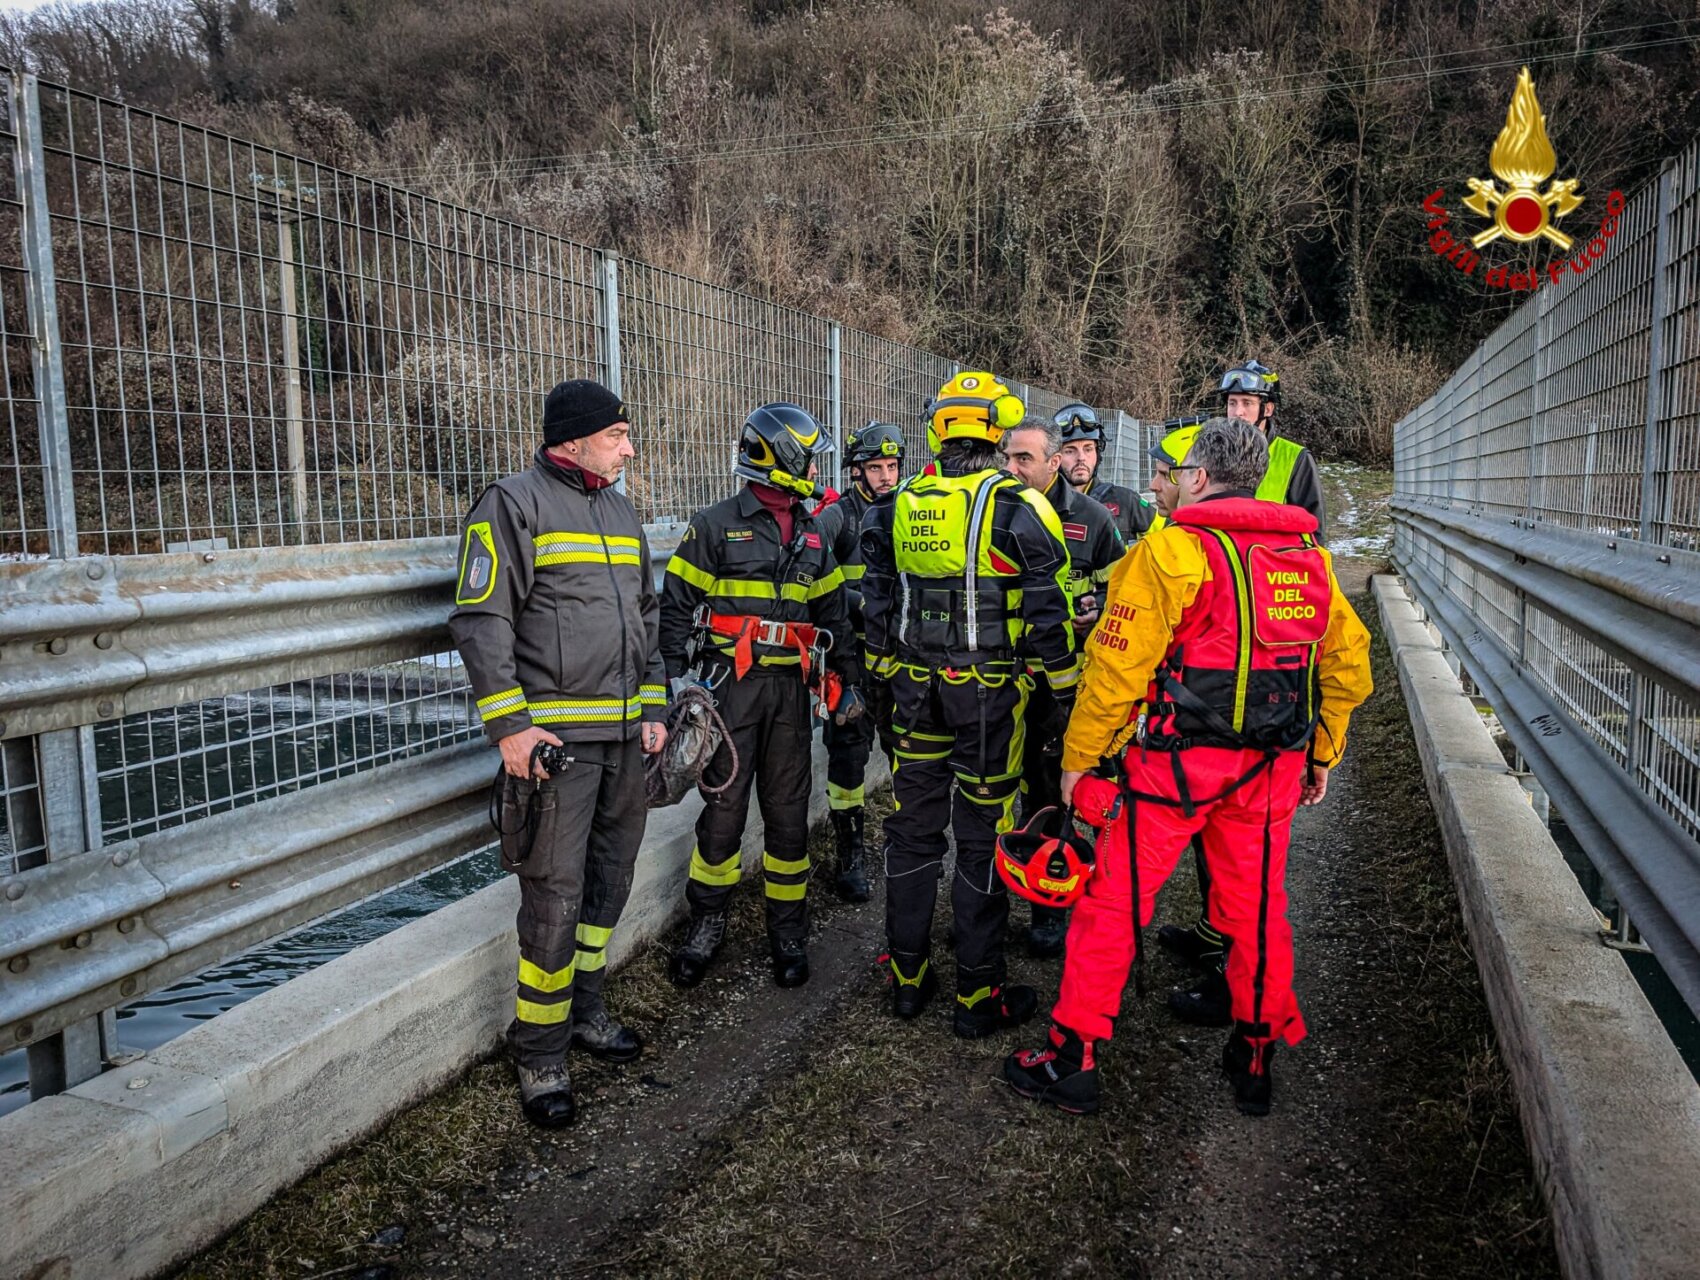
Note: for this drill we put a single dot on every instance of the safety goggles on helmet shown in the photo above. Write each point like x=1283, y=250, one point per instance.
x=872, y=442
x=776, y=446
x=1046, y=861
x=1079, y=422
x=1251, y=379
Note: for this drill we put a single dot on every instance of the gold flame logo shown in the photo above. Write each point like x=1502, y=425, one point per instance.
x=1523, y=158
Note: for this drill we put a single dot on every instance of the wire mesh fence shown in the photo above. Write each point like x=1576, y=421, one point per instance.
x=1570, y=441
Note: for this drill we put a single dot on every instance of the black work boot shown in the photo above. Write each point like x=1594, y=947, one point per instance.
x=1061, y=1073
x=596, y=1032
x=1205, y=1003
x=1046, y=933
x=1201, y=945
x=1247, y=1065
x=912, y=984
x=546, y=1095
x=851, y=882
x=986, y=1011
x=790, y=962
x=702, y=944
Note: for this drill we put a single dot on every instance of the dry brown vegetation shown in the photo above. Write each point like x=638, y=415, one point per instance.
x=1108, y=200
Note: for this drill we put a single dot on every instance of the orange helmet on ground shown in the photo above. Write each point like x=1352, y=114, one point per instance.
x=1046, y=861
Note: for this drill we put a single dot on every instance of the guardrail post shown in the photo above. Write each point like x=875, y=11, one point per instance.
x=69, y=792
x=608, y=280
x=835, y=391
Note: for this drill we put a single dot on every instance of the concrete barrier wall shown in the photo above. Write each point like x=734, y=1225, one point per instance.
x=138, y=1168
x=1611, y=1113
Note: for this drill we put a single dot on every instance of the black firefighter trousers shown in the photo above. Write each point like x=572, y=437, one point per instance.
x=768, y=722
x=573, y=884
x=959, y=740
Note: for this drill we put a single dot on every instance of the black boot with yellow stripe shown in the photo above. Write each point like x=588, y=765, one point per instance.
x=984, y=1009
x=912, y=984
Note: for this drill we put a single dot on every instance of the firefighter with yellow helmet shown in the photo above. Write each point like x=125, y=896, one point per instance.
x=963, y=563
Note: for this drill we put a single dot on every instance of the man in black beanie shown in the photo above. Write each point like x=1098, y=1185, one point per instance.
x=557, y=620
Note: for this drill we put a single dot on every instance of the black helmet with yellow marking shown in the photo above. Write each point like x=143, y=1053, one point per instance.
x=776, y=446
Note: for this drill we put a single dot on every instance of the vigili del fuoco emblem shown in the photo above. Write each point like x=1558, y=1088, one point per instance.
x=1522, y=158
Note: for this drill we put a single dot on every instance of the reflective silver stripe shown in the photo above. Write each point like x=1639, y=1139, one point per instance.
x=972, y=570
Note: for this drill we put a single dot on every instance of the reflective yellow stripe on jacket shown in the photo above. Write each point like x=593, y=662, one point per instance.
x=584, y=548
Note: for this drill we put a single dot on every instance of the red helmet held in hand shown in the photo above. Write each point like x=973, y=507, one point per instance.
x=1046, y=861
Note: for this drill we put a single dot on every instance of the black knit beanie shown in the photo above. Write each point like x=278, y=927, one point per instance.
x=580, y=408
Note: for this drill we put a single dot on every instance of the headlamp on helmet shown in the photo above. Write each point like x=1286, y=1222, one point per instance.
x=874, y=441
x=1047, y=861
x=1251, y=379
x=972, y=406
x=776, y=446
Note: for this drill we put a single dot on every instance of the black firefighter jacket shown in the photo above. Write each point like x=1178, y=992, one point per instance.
x=730, y=560
x=556, y=616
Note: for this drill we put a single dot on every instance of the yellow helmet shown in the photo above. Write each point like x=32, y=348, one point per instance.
x=972, y=405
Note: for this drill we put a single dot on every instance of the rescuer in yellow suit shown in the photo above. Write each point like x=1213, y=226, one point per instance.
x=964, y=562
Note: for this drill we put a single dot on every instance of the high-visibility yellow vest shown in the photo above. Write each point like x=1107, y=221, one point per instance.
x=1283, y=457
x=956, y=600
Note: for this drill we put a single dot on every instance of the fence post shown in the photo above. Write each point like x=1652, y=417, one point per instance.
x=69, y=792
x=295, y=431
x=42, y=302
x=1533, y=503
x=608, y=277
x=835, y=391
x=1655, y=477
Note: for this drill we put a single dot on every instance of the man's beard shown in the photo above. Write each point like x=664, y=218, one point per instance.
x=1091, y=475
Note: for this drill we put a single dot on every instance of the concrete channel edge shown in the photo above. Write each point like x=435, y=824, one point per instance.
x=140, y=1167
x=1610, y=1112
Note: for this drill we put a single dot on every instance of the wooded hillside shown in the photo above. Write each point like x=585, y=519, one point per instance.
x=1111, y=199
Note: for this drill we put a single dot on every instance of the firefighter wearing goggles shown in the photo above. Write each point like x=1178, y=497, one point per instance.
x=963, y=563
x=1085, y=442
x=1227, y=666
x=755, y=601
x=874, y=456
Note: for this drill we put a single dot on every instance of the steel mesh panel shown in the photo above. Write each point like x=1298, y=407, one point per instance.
x=266, y=351
x=1505, y=402
x=1583, y=678
x=1675, y=515
x=1670, y=758
x=696, y=359
x=23, y=842
x=1593, y=400
x=890, y=382
x=161, y=769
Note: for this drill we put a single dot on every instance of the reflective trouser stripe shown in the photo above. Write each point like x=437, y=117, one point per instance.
x=786, y=889
x=543, y=980
x=838, y=797
x=592, y=951
x=721, y=873
x=543, y=1014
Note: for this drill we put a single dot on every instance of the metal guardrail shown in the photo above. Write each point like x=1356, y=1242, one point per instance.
x=1547, y=517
